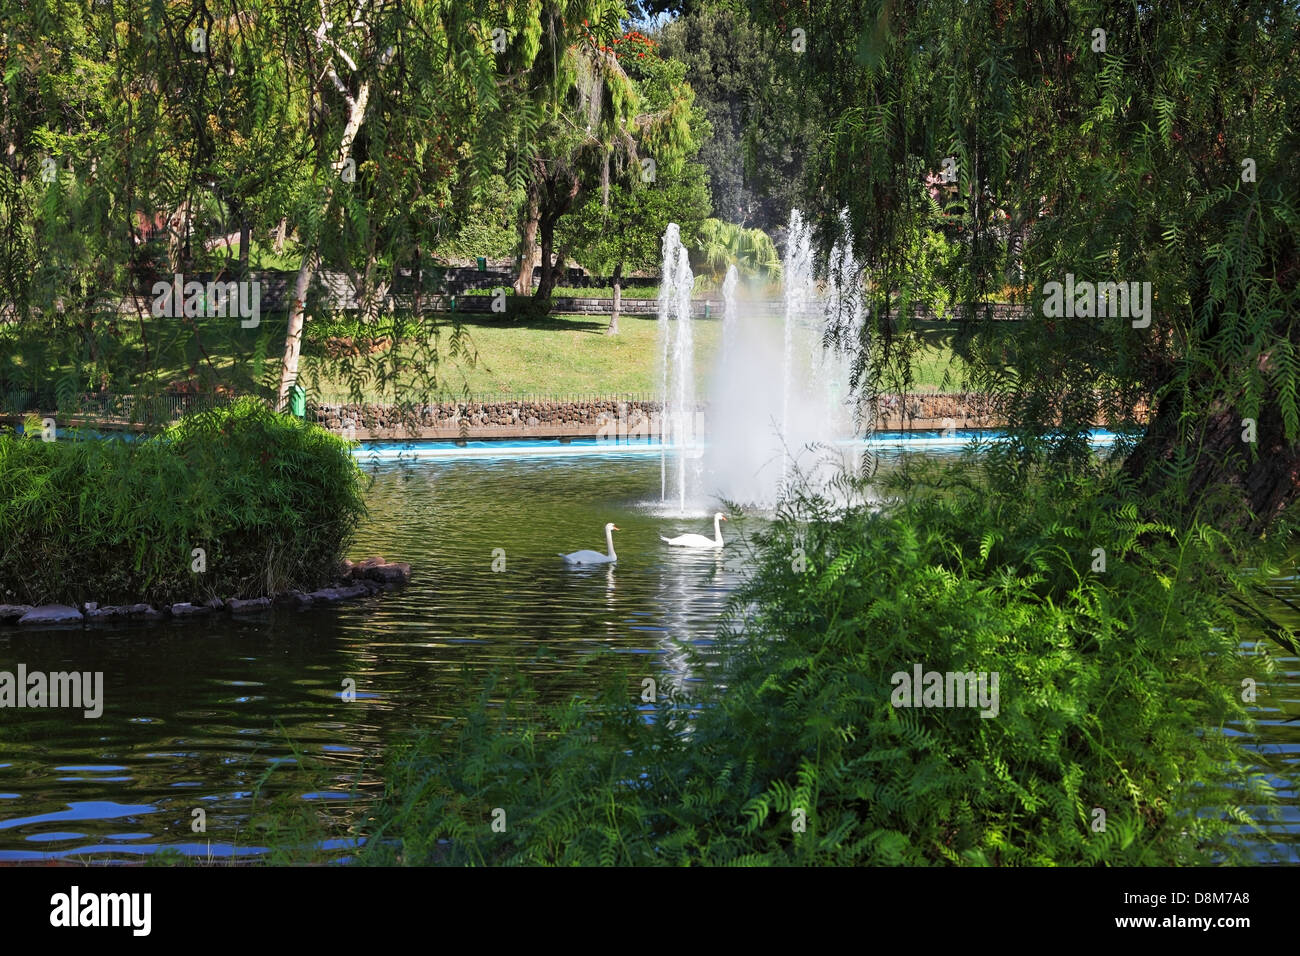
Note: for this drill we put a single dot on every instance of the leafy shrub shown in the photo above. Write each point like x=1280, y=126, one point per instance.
x=1115, y=688
x=271, y=500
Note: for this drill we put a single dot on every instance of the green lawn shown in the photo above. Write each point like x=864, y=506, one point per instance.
x=262, y=255
x=572, y=355
x=564, y=355
x=555, y=356
x=934, y=362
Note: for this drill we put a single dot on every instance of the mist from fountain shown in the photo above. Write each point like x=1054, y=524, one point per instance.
x=729, y=314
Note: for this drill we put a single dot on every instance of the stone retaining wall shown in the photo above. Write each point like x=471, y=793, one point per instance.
x=584, y=418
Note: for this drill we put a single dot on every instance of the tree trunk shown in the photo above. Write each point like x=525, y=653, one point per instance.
x=528, y=252
x=560, y=267
x=245, y=243
x=1236, y=484
x=279, y=234
x=293, y=335
x=547, y=229
x=618, y=300
x=559, y=197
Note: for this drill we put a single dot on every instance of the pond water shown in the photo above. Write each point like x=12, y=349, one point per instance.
x=210, y=716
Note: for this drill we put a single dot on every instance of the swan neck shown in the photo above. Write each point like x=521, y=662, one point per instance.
x=609, y=542
x=717, y=530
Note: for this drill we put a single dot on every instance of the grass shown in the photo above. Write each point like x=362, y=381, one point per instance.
x=572, y=354
x=559, y=354
x=932, y=365
x=564, y=354
x=262, y=255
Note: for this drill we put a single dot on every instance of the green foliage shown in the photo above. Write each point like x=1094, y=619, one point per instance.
x=1115, y=690
x=271, y=500
x=721, y=244
x=629, y=229
x=620, y=226
x=755, y=154
x=1121, y=164
x=610, y=104
x=485, y=227
x=150, y=135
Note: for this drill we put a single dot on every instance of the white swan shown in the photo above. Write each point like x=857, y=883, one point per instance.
x=595, y=557
x=698, y=540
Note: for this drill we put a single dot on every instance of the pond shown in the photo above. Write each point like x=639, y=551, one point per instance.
x=207, y=716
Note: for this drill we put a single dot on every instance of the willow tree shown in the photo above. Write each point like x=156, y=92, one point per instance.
x=427, y=71
x=621, y=225
x=357, y=123
x=120, y=121
x=1086, y=143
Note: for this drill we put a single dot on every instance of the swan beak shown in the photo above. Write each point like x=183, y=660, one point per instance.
x=616, y=528
x=724, y=517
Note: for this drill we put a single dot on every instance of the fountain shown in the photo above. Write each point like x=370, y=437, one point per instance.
x=729, y=315
x=677, y=366
x=761, y=435
x=797, y=279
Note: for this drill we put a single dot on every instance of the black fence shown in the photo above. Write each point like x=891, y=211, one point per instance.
x=153, y=410
x=276, y=284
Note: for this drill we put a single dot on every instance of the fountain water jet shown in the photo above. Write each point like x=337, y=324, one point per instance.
x=729, y=316
x=677, y=365
x=757, y=430
x=798, y=290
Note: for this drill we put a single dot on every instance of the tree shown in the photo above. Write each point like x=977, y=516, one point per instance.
x=117, y=123
x=393, y=52
x=1150, y=144
x=622, y=226
x=599, y=127
x=360, y=123
x=756, y=152
x=628, y=232
x=721, y=244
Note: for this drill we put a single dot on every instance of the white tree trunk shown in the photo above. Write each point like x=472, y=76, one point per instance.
x=293, y=336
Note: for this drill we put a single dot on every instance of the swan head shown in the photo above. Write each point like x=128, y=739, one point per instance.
x=719, y=516
x=611, y=527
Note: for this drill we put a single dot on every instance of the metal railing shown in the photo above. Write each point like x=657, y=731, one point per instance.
x=111, y=408
x=485, y=398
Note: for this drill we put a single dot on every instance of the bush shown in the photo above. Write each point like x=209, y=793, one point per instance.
x=271, y=500
x=1114, y=692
